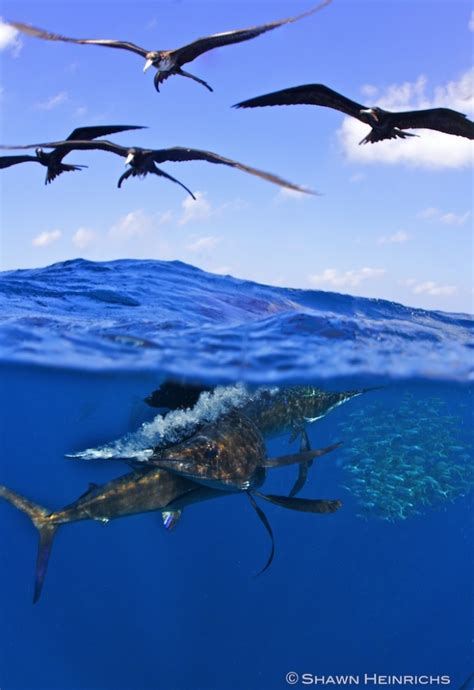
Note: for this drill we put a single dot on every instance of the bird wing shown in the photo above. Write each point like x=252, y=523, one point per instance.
x=103, y=145
x=191, y=51
x=178, y=154
x=86, y=133
x=441, y=119
x=89, y=133
x=307, y=94
x=48, y=36
x=7, y=161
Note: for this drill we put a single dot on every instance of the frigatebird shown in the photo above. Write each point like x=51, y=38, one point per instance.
x=168, y=62
x=143, y=161
x=385, y=124
x=53, y=160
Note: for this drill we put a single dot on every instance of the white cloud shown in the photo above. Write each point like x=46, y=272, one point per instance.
x=431, y=149
x=334, y=278
x=83, y=237
x=471, y=22
x=133, y=224
x=447, y=218
x=195, y=210
x=44, y=239
x=397, y=238
x=9, y=39
x=431, y=288
x=165, y=217
x=455, y=218
x=53, y=101
x=428, y=213
x=203, y=244
x=369, y=90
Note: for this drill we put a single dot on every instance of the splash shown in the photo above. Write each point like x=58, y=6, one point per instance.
x=172, y=427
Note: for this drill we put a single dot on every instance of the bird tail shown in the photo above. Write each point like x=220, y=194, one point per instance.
x=39, y=517
x=377, y=135
x=65, y=167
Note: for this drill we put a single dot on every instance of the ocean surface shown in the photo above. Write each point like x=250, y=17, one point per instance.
x=383, y=586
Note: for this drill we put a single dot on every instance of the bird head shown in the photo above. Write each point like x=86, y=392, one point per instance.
x=374, y=113
x=151, y=57
x=131, y=156
x=43, y=157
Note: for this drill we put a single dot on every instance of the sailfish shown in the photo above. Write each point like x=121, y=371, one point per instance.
x=274, y=411
x=153, y=487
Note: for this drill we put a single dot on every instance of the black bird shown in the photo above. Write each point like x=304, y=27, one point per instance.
x=53, y=160
x=385, y=124
x=143, y=161
x=168, y=62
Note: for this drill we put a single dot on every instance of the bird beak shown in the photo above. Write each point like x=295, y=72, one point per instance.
x=129, y=159
x=148, y=64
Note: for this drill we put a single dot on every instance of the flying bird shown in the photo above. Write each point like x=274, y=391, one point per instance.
x=168, y=62
x=143, y=161
x=53, y=160
x=385, y=124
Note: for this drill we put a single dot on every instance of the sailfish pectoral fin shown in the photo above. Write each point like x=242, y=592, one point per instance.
x=303, y=468
x=303, y=505
x=301, y=479
x=296, y=429
x=295, y=458
x=305, y=444
x=192, y=76
x=263, y=518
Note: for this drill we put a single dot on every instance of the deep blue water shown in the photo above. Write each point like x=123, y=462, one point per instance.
x=129, y=606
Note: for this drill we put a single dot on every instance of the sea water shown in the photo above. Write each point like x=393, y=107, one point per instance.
x=378, y=590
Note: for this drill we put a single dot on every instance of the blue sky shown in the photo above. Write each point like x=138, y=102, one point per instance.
x=394, y=219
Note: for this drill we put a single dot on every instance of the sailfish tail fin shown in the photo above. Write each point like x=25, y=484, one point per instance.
x=38, y=516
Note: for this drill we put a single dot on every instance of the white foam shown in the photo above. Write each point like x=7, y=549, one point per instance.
x=171, y=427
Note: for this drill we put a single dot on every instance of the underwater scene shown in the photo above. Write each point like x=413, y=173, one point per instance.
x=338, y=430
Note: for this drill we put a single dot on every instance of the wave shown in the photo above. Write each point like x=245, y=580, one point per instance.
x=174, y=319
